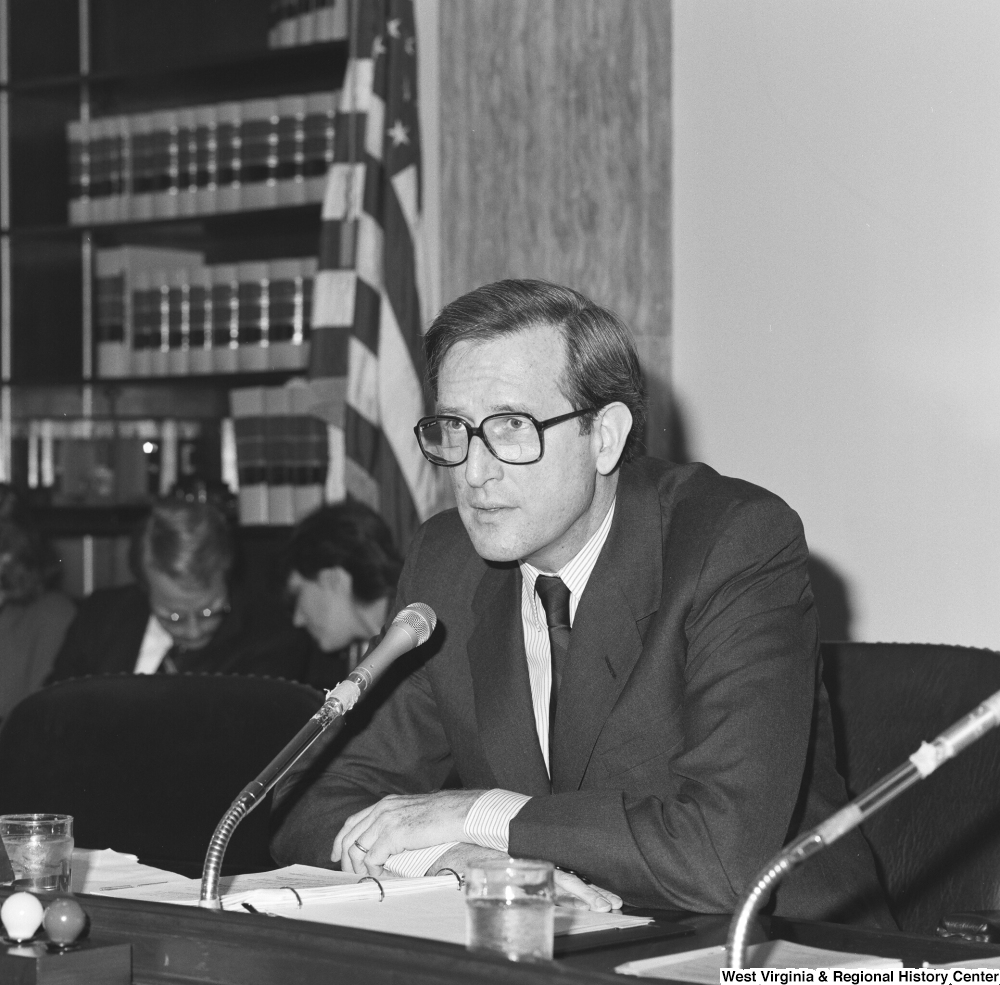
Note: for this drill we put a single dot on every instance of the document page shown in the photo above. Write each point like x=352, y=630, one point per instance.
x=432, y=907
x=303, y=879
x=439, y=914
x=104, y=871
x=704, y=964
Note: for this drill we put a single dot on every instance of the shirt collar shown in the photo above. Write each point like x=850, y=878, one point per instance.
x=575, y=573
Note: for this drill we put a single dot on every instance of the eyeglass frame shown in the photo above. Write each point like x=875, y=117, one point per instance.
x=205, y=615
x=477, y=432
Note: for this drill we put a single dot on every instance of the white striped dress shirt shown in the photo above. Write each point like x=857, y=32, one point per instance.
x=488, y=822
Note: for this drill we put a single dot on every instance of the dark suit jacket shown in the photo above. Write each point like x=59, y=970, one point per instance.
x=692, y=737
x=255, y=637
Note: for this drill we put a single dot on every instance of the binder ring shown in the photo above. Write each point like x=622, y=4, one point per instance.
x=295, y=893
x=457, y=875
x=377, y=883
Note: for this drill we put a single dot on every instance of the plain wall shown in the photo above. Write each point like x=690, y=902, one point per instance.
x=837, y=287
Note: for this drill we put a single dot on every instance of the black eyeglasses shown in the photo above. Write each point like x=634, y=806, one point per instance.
x=210, y=613
x=515, y=439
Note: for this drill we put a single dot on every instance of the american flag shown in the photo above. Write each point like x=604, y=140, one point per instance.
x=366, y=356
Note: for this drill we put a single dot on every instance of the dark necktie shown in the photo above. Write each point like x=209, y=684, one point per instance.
x=170, y=661
x=555, y=600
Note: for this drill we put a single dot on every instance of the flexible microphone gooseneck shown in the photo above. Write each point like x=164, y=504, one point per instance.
x=411, y=628
x=919, y=766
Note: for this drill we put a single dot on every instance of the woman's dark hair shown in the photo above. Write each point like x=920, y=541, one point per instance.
x=28, y=565
x=602, y=365
x=351, y=536
x=185, y=541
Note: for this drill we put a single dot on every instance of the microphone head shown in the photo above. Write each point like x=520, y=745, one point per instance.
x=418, y=617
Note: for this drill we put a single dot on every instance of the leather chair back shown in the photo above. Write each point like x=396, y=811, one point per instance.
x=148, y=764
x=938, y=844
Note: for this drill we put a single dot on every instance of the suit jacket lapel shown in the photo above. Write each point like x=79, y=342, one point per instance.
x=500, y=682
x=624, y=588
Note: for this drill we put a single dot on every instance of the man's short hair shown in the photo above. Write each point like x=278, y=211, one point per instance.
x=185, y=541
x=351, y=536
x=602, y=364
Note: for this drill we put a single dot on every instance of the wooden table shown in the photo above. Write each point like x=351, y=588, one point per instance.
x=175, y=944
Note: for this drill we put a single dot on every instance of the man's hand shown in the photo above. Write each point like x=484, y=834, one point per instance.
x=397, y=823
x=571, y=890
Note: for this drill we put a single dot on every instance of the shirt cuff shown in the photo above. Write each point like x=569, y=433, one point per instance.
x=413, y=863
x=488, y=822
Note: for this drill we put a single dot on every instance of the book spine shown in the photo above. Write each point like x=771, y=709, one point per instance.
x=259, y=163
x=247, y=406
x=311, y=458
x=339, y=20
x=179, y=328
x=145, y=322
x=100, y=170
x=206, y=160
x=283, y=276
x=254, y=303
x=110, y=314
x=143, y=156
x=225, y=318
x=279, y=448
x=290, y=150
x=77, y=138
x=229, y=139
x=187, y=129
x=160, y=324
x=200, y=307
x=120, y=128
x=319, y=139
x=166, y=164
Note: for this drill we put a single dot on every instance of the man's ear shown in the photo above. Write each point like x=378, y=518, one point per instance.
x=335, y=580
x=611, y=426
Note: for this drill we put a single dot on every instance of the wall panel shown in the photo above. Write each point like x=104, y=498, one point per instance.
x=555, y=158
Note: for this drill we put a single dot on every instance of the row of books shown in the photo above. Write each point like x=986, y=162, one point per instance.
x=300, y=22
x=282, y=454
x=97, y=461
x=197, y=160
x=161, y=312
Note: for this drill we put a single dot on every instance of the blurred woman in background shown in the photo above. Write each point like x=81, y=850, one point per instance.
x=343, y=567
x=34, y=614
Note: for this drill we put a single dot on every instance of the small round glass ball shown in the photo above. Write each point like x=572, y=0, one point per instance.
x=21, y=915
x=64, y=920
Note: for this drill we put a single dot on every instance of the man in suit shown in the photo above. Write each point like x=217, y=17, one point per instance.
x=185, y=611
x=624, y=677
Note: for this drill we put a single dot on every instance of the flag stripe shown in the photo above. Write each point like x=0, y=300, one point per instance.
x=363, y=383
x=336, y=247
x=333, y=298
x=349, y=137
x=367, y=309
x=345, y=187
x=401, y=405
x=329, y=350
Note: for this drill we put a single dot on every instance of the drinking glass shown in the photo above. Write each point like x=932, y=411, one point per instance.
x=510, y=908
x=40, y=849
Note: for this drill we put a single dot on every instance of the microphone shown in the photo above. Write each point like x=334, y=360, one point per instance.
x=411, y=627
x=919, y=766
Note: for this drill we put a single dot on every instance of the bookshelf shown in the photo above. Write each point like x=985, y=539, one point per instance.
x=114, y=72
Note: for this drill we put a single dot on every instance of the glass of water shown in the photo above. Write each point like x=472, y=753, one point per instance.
x=40, y=849
x=510, y=908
